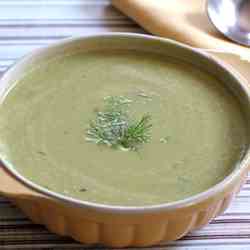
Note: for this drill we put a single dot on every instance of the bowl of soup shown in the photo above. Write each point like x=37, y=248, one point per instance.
x=123, y=139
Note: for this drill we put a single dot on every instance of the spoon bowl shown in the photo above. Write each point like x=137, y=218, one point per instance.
x=231, y=18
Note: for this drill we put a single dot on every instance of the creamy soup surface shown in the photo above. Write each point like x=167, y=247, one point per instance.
x=197, y=136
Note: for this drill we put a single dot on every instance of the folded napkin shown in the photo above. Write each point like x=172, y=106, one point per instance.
x=187, y=22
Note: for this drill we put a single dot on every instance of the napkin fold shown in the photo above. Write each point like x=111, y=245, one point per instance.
x=187, y=22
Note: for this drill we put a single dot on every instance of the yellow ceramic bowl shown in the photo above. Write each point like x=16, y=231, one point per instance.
x=113, y=225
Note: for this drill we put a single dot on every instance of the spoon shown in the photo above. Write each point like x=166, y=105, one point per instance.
x=231, y=18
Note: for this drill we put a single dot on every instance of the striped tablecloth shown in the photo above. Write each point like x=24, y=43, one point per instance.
x=28, y=24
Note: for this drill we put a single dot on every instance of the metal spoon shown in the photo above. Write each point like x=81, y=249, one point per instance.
x=231, y=18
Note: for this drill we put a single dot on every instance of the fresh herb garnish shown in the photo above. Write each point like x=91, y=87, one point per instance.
x=142, y=94
x=115, y=128
x=165, y=139
x=41, y=153
x=83, y=190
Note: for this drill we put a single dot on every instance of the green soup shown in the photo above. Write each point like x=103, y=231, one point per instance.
x=197, y=135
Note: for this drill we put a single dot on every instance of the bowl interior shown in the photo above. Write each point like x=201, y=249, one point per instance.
x=165, y=48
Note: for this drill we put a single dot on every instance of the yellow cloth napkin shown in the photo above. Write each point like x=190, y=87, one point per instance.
x=186, y=21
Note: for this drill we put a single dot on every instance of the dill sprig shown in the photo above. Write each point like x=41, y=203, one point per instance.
x=113, y=126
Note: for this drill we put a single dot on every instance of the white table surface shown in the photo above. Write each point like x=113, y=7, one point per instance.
x=28, y=24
